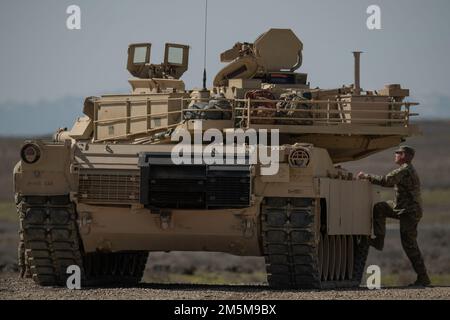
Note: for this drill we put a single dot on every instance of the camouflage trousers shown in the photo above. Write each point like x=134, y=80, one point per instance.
x=408, y=231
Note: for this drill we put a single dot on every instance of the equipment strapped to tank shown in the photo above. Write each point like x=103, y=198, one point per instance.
x=218, y=108
x=292, y=107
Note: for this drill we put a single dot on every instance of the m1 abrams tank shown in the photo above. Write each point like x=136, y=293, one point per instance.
x=105, y=193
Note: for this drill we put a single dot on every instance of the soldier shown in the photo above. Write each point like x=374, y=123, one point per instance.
x=407, y=208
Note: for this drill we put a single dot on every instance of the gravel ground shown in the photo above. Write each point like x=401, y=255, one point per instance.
x=11, y=287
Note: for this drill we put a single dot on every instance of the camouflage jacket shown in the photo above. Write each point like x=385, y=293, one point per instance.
x=406, y=184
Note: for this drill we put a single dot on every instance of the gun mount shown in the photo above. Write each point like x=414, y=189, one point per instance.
x=273, y=58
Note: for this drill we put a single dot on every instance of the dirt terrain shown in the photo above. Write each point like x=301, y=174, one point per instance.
x=13, y=288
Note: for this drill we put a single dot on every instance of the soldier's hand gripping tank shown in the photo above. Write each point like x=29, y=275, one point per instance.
x=407, y=208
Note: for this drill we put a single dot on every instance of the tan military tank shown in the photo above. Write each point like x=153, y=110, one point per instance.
x=105, y=193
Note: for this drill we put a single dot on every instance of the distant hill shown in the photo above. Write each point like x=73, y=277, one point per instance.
x=433, y=107
x=40, y=118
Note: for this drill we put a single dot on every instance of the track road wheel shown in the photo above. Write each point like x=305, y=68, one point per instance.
x=50, y=243
x=297, y=258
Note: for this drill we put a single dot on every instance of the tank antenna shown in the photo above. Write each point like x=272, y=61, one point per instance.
x=204, y=53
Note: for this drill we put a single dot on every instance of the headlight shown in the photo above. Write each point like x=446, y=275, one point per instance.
x=30, y=153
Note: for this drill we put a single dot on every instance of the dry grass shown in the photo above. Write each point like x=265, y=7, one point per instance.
x=9, y=156
x=8, y=212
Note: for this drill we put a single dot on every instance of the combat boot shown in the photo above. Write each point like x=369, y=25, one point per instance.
x=422, y=281
x=377, y=243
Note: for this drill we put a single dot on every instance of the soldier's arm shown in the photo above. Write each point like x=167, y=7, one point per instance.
x=389, y=180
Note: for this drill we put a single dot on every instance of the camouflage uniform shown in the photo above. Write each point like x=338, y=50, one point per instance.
x=407, y=208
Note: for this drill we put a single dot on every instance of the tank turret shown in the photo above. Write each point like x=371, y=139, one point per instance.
x=349, y=122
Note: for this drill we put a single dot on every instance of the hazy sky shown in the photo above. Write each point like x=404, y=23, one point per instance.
x=41, y=60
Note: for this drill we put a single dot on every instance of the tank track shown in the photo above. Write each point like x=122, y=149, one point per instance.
x=291, y=247
x=49, y=243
